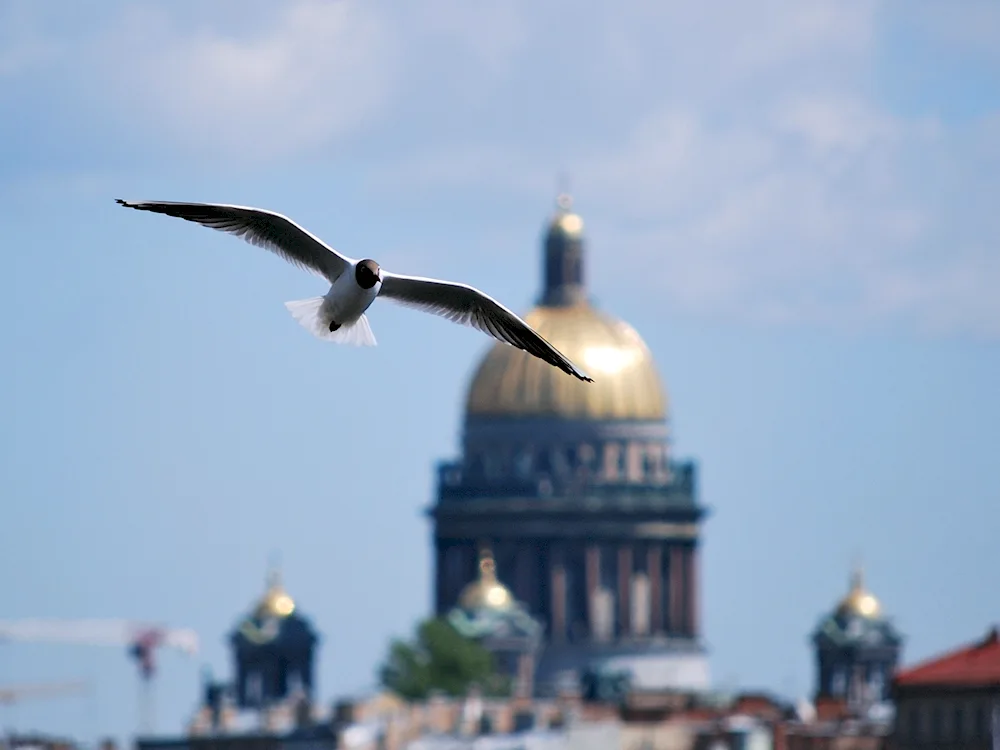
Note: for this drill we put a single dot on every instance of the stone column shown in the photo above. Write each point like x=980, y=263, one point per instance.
x=525, y=683
x=625, y=590
x=526, y=576
x=440, y=587
x=674, y=620
x=557, y=573
x=610, y=471
x=592, y=567
x=692, y=591
x=470, y=564
x=635, y=454
x=654, y=569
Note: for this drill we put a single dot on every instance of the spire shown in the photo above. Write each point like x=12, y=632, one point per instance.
x=857, y=577
x=274, y=571
x=563, y=265
x=276, y=602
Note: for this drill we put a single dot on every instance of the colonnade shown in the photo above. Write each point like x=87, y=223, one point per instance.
x=598, y=591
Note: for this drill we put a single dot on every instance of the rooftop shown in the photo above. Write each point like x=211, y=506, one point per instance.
x=976, y=665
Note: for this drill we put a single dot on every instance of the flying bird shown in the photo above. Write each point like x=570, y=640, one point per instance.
x=339, y=315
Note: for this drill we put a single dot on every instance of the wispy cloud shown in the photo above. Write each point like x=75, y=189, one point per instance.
x=773, y=184
x=209, y=83
x=743, y=153
x=317, y=71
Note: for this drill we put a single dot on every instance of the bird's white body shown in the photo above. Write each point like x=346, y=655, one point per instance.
x=339, y=315
x=346, y=301
x=345, y=304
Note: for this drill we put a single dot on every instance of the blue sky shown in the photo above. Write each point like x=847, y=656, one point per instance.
x=791, y=200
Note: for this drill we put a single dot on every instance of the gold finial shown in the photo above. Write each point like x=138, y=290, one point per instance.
x=859, y=601
x=276, y=602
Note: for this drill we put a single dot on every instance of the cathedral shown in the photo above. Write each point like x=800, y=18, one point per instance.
x=574, y=492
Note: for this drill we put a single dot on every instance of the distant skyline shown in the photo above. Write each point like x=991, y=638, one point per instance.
x=791, y=201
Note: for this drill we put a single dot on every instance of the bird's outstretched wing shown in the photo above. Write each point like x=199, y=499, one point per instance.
x=266, y=229
x=468, y=306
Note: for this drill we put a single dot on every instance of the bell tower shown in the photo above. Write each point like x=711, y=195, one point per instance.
x=857, y=649
x=274, y=648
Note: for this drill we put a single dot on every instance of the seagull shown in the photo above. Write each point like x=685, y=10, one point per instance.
x=339, y=315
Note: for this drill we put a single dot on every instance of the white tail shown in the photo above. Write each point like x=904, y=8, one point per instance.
x=311, y=316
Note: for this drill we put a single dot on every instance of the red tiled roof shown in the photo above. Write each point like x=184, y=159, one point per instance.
x=975, y=665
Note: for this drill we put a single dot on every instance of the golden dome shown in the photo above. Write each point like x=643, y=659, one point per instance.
x=276, y=602
x=486, y=592
x=510, y=382
x=859, y=601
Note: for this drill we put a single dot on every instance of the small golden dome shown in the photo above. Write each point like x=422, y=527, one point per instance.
x=276, y=602
x=565, y=221
x=859, y=601
x=510, y=382
x=486, y=592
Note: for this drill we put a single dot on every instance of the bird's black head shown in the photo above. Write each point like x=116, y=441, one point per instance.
x=367, y=273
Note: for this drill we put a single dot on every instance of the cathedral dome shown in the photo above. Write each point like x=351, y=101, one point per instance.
x=486, y=592
x=276, y=602
x=859, y=602
x=512, y=383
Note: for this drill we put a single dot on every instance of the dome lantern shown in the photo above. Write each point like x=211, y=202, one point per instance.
x=564, y=272
x=509, y=383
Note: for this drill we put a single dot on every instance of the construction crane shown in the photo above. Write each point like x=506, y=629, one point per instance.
x=17, y=693
x=141, y=639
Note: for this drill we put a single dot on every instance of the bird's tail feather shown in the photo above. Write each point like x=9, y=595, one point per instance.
x=311, y=316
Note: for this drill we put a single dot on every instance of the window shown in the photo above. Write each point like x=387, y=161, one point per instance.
x=958, y=722
x=838, y=683
x=937, y=722
x=559, y=462
x=524, y=463
x=979, y=725
x=876, y=684
x=492, y=465
x=914, y=722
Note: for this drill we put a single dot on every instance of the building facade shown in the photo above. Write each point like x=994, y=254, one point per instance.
x=594, y=524
x=951, y=702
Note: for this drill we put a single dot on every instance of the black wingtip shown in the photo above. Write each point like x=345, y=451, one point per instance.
x=120, y=202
